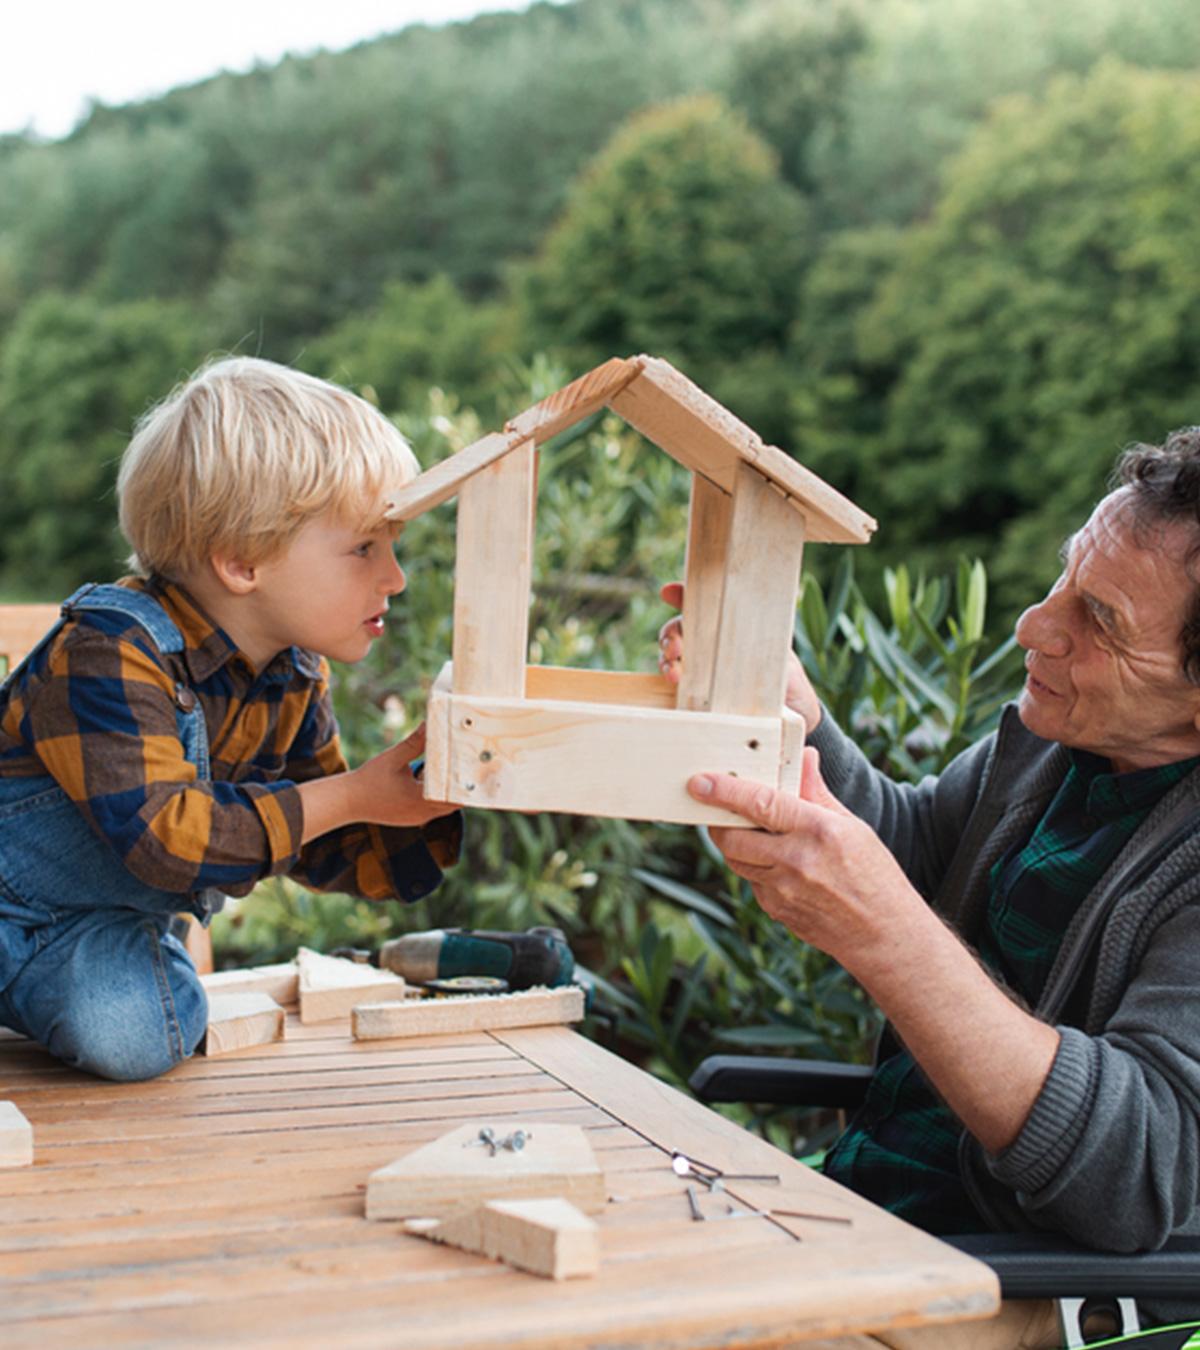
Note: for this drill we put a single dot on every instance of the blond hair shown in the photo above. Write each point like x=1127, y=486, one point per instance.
x=237, y=459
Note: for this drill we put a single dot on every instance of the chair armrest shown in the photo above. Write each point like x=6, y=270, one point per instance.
x=1031, y=1265
x=781, y=1082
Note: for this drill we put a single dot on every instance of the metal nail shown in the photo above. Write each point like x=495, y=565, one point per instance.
x=693, y=1201
x=804, y=1214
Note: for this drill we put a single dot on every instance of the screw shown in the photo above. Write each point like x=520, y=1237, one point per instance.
x=486, y=1136
x=485, y=755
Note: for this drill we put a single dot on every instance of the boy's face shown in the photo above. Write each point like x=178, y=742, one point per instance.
x=328, y=591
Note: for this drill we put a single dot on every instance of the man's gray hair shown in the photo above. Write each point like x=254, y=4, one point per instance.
x=1164, y=483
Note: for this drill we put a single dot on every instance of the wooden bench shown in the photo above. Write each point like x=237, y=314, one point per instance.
x=20, y=628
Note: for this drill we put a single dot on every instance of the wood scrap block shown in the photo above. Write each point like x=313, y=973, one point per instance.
x=16, y=1137
x=545, y=1237
x=281, y=982
x=238, y=1021
x=469, y=1012
x=330, y=986
x=458, y=1172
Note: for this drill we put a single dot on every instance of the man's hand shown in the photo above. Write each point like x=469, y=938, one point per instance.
x=813, y=865
x=799, y=695
x=830, y=879
x=383, y=791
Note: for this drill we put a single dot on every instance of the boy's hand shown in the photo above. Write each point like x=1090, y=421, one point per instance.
x=388, y=790
x=799, y=695
x=383, y=791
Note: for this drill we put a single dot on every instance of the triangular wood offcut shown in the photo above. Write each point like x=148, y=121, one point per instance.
x=331, y=986
x=547, y=1237
x=459, y=1171
x=674, y=414
x=280, y=981
x=16, y=1137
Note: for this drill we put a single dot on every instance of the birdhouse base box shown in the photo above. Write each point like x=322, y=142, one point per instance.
x=599, y=743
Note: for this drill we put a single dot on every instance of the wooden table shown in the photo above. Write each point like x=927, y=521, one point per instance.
x=222, y=1206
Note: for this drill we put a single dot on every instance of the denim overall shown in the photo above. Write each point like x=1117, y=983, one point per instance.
x=87, y=965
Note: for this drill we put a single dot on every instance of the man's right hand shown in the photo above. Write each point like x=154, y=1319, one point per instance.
x=799, y=694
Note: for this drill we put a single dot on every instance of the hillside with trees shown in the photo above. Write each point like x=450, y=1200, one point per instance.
x=925, y=245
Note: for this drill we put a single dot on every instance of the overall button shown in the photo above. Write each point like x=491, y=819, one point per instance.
x=185, y=699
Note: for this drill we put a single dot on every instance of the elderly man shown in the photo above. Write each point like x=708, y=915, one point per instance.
x=1047, y=1074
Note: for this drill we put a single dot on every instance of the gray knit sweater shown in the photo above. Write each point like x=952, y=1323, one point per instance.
x=1110, y=1153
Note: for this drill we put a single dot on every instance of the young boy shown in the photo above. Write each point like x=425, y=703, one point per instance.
x=172, y=737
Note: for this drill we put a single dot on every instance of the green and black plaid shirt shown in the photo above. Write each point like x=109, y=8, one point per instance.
x=900, y=1149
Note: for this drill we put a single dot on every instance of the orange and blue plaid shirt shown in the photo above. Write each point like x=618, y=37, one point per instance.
x=96, y=709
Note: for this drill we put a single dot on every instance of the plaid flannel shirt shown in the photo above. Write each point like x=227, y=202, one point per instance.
x=901, y=1147
x=96, y=711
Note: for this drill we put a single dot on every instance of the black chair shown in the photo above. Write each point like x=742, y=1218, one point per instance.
x=1084, y=1283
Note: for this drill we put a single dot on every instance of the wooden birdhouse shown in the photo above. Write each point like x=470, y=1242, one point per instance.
x=505, y=734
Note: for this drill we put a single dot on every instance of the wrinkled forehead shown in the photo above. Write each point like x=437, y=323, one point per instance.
x=1122, y=524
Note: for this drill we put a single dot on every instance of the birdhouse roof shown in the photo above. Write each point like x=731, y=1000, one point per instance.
x=674, y=414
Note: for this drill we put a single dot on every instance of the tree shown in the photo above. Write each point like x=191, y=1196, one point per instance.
x=791, y=77
x=74, y=376
x=681, y=239
x=1047, y=314
x=931, y=70
x=418, y=336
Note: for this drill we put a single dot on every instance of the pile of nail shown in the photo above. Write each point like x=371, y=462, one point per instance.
x=514, y=1142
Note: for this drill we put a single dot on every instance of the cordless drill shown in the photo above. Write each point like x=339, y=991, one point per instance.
x=537, y=956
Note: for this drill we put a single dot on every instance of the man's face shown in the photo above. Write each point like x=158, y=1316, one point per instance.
x=1103, y=652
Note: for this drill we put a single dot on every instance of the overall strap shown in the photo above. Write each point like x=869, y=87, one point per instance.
x=145, y=610
x=136, y=605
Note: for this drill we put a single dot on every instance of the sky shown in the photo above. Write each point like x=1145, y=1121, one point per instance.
x=56, y=55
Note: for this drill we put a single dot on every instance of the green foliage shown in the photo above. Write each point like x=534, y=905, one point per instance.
x=791, y=77
x=289, y=198
x=917, y=685
x=419, y=336
x=1044, y=317
x=932, y=69
x=284, y=917
x=681, y=240
x=74, y=377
